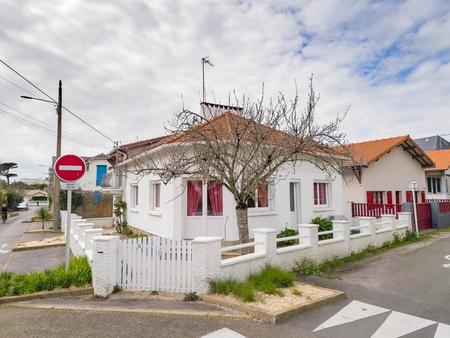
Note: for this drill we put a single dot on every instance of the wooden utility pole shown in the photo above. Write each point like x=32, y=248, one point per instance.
x=57, y=185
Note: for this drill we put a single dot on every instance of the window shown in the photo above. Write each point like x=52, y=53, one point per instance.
x=320, y=193
x=434, y=184
x=292, y=197
x=134, y=194
x=262, y=197
x=215, y=200
x=155, y=196
x=398, y=197
x=194, y=198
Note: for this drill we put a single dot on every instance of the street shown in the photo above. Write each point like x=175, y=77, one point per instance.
x=10, y=234
x=401, y=292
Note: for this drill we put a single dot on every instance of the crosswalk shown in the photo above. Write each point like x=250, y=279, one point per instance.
x=396, y=324
x=224, y=333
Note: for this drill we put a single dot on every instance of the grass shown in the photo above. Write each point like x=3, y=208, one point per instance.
x=270, y=281
x=79, y=274
x=308, y=266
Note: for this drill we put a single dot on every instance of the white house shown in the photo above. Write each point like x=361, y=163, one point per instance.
x=381, y=171
x=96, y=168
x=189, y=207
x=438, y=177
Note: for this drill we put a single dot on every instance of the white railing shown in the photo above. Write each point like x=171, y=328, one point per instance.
x=239, y=246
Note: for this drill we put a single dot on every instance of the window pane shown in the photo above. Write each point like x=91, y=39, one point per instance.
x=157, y=193
x=194, y=198
x=438, y=184
x=430, y=189
x=322, y=193
x=292, y=196
x=263, y=196
x=316, y=200
x=215, y=199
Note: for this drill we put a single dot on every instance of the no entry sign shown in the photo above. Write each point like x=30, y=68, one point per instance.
x=69, y=168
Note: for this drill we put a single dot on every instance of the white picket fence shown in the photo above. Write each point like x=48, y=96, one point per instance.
x=154, y=264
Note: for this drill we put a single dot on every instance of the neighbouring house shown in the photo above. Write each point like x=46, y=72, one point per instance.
x=433, y=143
x=188, y=207
x=35, y=197
x=96, y=168
x=438, y=177
x=381, y=171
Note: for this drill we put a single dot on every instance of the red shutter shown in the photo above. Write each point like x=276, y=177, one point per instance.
x=369, y=197
x=398, y=198
x=389, y=197
x=423, y=196
x=408, y=196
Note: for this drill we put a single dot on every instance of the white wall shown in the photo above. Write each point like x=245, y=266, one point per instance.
x=88, y=181
x=392, y=172
x=172, y=221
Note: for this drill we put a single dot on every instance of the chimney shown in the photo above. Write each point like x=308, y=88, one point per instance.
x=211, y=110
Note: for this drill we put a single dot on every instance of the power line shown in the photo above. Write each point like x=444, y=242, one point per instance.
x=16, y=85
x=39, y=127
x=43, y=123
x=52, y=99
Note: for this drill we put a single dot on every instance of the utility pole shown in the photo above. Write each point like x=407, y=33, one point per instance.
x=57, y=184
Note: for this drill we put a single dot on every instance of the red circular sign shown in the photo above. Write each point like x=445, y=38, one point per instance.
x=69, y=168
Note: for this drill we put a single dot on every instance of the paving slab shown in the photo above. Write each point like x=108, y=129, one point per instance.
x=36, y=260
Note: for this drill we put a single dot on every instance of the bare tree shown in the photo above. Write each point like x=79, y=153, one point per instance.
x=246, y=147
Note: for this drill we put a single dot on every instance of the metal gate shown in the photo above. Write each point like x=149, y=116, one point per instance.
x=155, y=264
x=424, y=219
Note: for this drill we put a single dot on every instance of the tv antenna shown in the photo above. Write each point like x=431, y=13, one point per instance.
x=205, y=60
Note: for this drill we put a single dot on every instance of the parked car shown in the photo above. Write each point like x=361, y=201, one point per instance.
x=22, y=206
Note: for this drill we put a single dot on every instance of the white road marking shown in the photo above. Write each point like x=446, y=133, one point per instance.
x=4, y=251
x=446, y=265
x=223, y=333
x=447, y=257
x=4, y=245
x=442, y=331
x=70, y=167
x=354, y=311
x=398, y=324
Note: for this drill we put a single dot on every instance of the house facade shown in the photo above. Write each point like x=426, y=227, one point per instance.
x=96, y=168
x=188, y=206
x=381, y=171
x=438, y=177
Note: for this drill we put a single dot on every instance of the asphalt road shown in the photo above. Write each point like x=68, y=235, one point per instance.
x=402, y=292
x=10, y=234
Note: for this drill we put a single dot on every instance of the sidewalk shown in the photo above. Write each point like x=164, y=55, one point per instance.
x=134, y=302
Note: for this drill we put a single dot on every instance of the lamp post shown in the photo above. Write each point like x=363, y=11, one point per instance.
x=57, y=185
x=414, y=185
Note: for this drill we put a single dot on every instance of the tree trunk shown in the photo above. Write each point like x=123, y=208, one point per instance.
x=43, y=225
x=242, y=222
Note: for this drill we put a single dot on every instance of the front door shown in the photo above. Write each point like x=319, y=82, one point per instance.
x=294, y=204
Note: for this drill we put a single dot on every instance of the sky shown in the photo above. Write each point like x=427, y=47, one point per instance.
x=128, y=66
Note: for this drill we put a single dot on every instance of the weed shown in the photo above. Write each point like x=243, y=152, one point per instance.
x=116, y=289
x=154, y=293
x=191, y=297
x=307, y=266
x=297, y=292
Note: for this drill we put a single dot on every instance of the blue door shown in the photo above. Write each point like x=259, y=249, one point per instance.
x=101, y=171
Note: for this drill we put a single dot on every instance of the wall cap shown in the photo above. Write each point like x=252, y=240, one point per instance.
x=206, y=239
x=404, y=213
x=367, y=217
x=106, y=238
x=265, y=230
x=307, y=225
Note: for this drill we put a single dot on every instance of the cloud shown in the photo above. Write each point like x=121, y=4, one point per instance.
x=125, y=64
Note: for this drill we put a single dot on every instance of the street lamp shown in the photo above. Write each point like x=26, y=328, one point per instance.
x=56, y=205
x=414, y=185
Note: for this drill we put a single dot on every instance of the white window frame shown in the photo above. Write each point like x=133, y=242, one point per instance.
x=269, y=199
x=134, y=196
x=204, y=200
x=152, y=190
x=327, y=193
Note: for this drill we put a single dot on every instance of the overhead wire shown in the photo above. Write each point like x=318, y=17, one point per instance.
x=52, y=99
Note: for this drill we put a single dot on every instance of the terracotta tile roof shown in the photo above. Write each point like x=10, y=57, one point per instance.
x=370, y=151
x=441, y=158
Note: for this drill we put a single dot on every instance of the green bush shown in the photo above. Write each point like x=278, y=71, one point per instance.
x=13, y=198
x=77, y=199
x=325, y=224
x=79, y=274
x=287, y=233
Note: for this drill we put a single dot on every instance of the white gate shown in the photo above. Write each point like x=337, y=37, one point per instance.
x=155, y=264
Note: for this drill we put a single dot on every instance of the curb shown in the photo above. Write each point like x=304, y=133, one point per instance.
x=187, y=313
x=48, y=294
x=274, y=318
x=38, y=247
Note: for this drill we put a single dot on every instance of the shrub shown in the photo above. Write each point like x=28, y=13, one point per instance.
x=307, y=266
x=287, y=233
x=325, y=224
x=13, y=198
x=191, y=297
x=43, y=214
x=273, y=275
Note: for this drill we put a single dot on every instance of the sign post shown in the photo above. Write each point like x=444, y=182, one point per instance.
x=69, y=169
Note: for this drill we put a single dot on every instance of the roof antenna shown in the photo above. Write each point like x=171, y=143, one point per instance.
x=205, y=60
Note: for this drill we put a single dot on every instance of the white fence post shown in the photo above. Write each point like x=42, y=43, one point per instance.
x=104, y=265
x=406, y=217
x=82, y=233
x=343, y=226
x=389, y=219
x=90, y=234
x=205, y=262
x=310, y=233
x=268, y=239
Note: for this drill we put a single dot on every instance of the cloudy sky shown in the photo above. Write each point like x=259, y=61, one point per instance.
x=125, y=65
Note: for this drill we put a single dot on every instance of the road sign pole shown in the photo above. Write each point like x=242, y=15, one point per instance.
x=68, y=224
